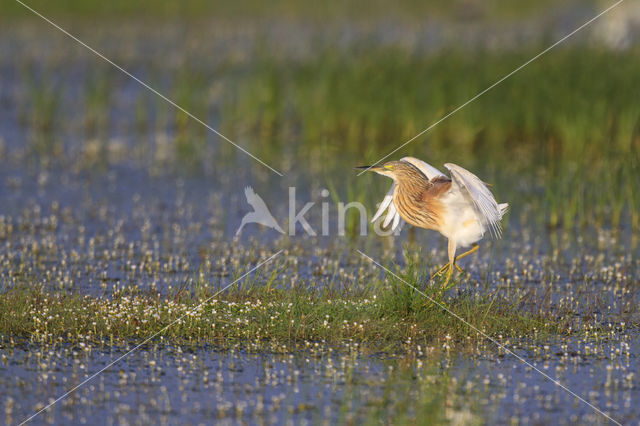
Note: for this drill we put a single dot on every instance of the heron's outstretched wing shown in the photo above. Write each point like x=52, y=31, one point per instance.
x=477, y=192
x=427, y=169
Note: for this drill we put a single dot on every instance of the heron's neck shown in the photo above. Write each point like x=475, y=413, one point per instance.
x=411, y=186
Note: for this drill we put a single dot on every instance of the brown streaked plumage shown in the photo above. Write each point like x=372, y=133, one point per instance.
x=416, y=197
x=461, y=207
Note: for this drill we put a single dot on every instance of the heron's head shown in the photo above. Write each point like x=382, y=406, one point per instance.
x=396, y=170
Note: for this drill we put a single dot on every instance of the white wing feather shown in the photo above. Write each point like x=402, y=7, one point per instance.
x=396, y=220
x=484, y=202
x=391, y=213
x=427, y=169
x=384, y=204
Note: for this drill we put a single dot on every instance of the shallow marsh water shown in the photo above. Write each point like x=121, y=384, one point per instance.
x=97, y=207
x=171, y=385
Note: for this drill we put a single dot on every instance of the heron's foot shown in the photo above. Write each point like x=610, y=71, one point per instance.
x=445, y=267
x=439, y=271
x=448, y=282
x=467, y=253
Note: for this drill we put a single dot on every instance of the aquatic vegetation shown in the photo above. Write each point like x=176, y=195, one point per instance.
x=385, y=319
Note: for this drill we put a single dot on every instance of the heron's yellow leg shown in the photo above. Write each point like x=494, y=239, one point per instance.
x=448, y=264
x=449, y=277
x=452, y=262
x=467, y=253
x=450, y=273
x=444, y=267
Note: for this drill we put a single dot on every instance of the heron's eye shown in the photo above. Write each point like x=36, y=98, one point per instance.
x=388, y=166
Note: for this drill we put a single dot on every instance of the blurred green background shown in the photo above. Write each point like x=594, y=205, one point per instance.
x=358, y=9
x=314, y=88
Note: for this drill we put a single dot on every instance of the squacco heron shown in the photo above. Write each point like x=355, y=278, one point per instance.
x=461, y=207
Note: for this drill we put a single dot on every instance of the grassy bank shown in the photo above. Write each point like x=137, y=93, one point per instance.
x=383, y=319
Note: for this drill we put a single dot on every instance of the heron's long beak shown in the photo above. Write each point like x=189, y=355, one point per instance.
x=369, y=168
